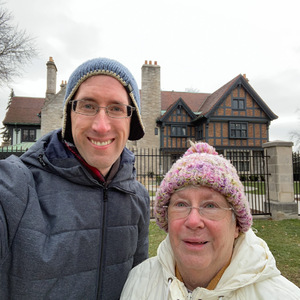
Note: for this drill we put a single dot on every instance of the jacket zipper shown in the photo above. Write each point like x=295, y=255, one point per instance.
x=41, y=160
x=100, y=276
x=170, y=280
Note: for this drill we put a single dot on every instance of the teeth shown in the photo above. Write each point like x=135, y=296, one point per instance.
x=101, y=143
x=199, y=243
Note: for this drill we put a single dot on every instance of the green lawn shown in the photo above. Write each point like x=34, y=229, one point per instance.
x=282, y=237
x=258, y=187
x=255, y=187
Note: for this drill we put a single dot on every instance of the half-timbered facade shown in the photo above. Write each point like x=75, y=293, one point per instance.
x=176, y=126
x=234, y=117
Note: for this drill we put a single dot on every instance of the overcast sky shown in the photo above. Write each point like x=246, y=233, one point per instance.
x=198, y=44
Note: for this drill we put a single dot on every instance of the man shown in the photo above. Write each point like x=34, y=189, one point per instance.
x=73, y=219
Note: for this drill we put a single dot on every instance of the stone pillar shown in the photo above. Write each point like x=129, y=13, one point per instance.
x=281, y=183
x=150, y=104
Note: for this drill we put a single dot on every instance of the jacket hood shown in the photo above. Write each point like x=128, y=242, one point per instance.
x=50, y=154
x=252, y=262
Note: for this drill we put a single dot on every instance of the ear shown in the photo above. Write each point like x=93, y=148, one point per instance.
x=236, y=232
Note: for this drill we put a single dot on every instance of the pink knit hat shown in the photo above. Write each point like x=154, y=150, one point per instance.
x=201, y=165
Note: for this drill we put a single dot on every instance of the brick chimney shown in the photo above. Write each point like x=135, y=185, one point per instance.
x=245, y=76
x=51, y=77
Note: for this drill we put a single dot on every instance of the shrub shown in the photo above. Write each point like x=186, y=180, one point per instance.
x=253, y=177
x=159, y=178
x=150, y=174
x=243, y=177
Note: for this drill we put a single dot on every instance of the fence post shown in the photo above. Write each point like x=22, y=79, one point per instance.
x=281, y=183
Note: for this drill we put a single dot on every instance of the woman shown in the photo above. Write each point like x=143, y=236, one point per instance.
x=210, y=251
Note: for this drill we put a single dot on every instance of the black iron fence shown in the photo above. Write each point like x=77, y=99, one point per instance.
x=6, y=152
x=252, y=167
x=151, y=165
x=296, y=172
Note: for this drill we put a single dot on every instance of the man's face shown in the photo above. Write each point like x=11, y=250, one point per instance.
x=100, y=139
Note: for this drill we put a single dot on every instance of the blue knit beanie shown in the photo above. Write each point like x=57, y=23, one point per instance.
x=109, y=67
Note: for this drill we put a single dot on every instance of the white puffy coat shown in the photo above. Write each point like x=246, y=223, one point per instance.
x=252, y=274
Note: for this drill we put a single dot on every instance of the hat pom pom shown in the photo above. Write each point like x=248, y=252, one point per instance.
x=200, y=148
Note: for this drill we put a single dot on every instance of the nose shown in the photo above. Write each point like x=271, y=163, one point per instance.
x=101, y=121
x=194, y=219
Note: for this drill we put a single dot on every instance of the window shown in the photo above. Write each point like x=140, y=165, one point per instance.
x=238, y=103
x=28, y=135
x=238, y=130
x=178, y=131
x=179, y=110
x=199, y=135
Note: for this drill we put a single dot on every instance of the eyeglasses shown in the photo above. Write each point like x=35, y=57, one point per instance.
x=90, y=108
x=208, y=210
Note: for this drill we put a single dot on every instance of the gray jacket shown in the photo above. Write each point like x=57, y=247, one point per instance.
x=63, y=234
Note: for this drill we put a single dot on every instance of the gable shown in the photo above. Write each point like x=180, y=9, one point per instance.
x=231, y=90
x=239, y=103
x=179, y=111
x=24, y=110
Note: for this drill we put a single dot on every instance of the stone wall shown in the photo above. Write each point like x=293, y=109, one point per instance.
x=52, y=111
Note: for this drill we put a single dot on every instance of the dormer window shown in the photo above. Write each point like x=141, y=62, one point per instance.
x=238, y=103
x=179, y=110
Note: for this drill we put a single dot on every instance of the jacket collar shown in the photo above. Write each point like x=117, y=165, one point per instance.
x=52, y=154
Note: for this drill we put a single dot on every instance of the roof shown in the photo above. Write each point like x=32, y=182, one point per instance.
x=213, y=99
x=24, y=110
x=193, y=100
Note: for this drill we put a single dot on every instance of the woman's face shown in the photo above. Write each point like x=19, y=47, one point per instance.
x=201, y=244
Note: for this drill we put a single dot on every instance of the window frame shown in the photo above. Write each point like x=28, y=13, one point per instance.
x=31, y=132
x=239, y=101
x=179, y=110
x=179, y=131
x=240, y=136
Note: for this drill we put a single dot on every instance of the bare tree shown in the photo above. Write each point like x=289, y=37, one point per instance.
x=5, y=133
x=192, y=90
x=295, y=135
x=17, y=48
